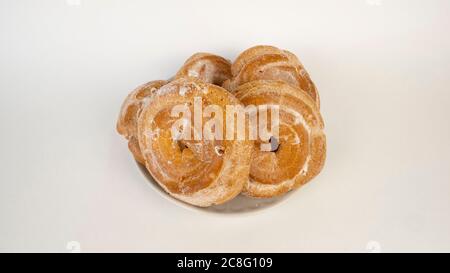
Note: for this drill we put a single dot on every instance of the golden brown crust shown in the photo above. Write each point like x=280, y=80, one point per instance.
x=271, y=63
x=249, y=54
x=133, y=146
x=192, y=170
x=206, y=172
x=302, y=143
x=207, y=67
x=129, y=113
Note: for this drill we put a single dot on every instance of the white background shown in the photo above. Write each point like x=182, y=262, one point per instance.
x=382, y=69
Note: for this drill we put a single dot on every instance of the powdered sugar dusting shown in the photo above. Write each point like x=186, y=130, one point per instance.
x=183, y=91
x=193, y=73
x=305, y=168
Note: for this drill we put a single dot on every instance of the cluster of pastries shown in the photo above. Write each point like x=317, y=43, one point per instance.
x=205, y=172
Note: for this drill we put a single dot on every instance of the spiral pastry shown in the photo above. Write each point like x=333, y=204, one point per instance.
x=300, y=149
x=207, y=67
x=200, y=172
x=271, y=63
x=129, y=113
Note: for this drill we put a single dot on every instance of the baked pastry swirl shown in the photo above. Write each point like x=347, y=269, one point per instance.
x=271, y=63
x=205, y=171
x=129, y=113
x=201, y=172
x=301, y=150
x=207, y=67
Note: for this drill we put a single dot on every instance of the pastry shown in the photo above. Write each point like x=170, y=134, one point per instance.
x=300, y=151
x=198, y=171
x=207, y=67
x=131, y=108
x=159, y=120
x=270, y=63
